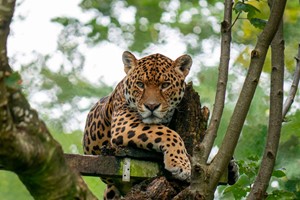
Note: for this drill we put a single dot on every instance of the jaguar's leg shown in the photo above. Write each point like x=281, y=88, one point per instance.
x=129, y=130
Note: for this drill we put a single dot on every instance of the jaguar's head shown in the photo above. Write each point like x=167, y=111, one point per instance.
x=155, y=85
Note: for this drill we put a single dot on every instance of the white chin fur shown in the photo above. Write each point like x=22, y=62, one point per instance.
x=152, y=120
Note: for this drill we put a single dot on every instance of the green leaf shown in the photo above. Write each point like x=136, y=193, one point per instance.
x=13, y=80
x=243, y=181
x=278, y=173
x=258, y=23
x=248, y=168
x=244, y=7
x=240, y=188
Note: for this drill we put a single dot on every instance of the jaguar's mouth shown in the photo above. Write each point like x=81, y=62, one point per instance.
x=152, y=119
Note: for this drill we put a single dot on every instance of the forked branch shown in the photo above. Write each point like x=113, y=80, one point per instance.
x=237, y=120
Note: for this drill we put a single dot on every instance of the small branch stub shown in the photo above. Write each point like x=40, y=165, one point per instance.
x=255, y=54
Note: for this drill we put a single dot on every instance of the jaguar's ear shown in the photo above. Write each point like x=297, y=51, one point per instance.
x=183, y=64
x=129, y=61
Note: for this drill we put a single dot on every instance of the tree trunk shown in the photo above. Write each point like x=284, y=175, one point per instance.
x=26, y=146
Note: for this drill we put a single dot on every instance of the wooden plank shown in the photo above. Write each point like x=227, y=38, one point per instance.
x=112, y=166
x=89, y=165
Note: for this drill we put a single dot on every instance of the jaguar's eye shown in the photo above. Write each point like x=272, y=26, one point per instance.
x=165, y=85
x=140, y=84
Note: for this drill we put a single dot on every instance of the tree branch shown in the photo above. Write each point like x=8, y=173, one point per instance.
x=235, y=20
x=213, y=127
x=294, y=87
x=26, y=146
x=275, y=118
x=237, y=120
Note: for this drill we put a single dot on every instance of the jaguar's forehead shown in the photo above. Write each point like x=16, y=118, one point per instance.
x=153, y=60
x=153, y=67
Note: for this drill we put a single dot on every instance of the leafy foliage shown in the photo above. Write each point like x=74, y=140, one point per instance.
x=245, y=34
x=281, y=194
x=133, y=25
x=249, y=169
x=242, y=6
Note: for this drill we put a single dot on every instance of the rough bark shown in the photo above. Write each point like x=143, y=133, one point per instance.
x=157, y=188
x=190, y=120
x=194, y=122
x=26, y=146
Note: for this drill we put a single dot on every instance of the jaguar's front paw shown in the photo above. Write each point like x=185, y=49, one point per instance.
x=179, y=165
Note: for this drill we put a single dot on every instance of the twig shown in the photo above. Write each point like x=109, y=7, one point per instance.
x=233, y=23
x=294, y=87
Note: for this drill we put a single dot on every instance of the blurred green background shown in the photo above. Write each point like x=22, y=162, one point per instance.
x=64, y=95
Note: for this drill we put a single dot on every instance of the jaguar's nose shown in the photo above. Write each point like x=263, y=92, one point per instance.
x=152, y=106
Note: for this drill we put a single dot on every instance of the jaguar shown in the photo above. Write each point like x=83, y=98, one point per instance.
x=137, y=112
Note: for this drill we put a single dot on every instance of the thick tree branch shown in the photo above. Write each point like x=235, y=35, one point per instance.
x=6, y=13
x=294, y=87
x=237, y=120
x=275, y=117
x=213, y=127
x=26, y=146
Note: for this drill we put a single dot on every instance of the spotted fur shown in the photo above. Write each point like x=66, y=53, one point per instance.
x=136, y=113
